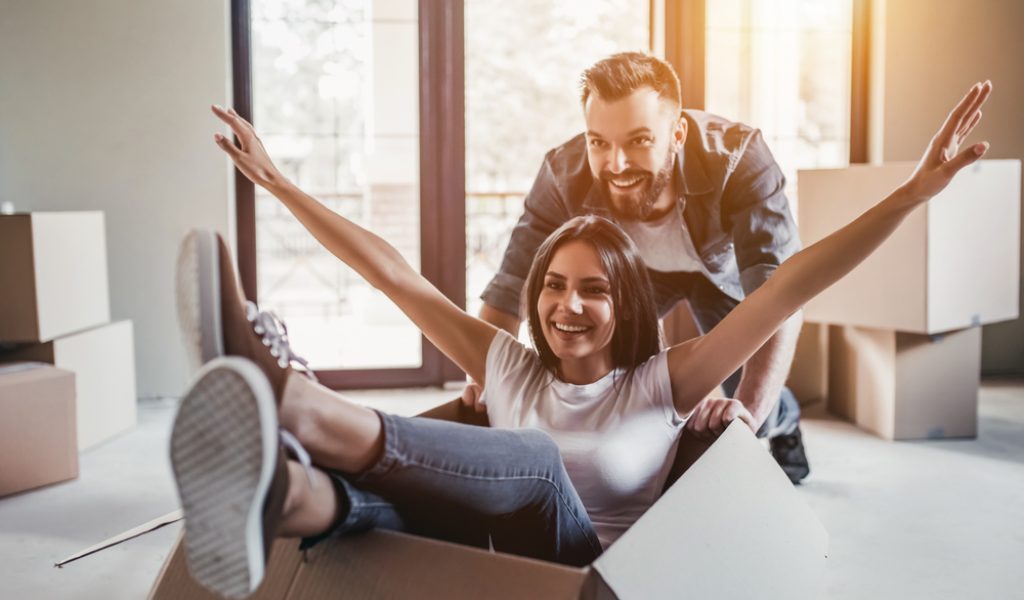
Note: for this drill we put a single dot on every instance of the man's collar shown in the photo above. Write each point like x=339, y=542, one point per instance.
x=690, y=178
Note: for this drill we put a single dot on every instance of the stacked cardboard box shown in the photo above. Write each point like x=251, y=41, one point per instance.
x=56, y=309
x=904, y=338
x=37, y=426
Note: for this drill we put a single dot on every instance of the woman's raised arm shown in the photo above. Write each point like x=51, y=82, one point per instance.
x=461, y=337
x=697, y=366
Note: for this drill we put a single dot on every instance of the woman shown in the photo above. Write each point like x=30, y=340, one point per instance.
x=597, y=370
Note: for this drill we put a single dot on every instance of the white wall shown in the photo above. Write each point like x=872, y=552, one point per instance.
x=933, y=51
x=103, y=105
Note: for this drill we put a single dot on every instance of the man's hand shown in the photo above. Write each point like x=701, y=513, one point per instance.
x=471, y=396
x=712, y=415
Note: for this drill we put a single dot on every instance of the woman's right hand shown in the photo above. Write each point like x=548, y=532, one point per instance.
x=249, y=155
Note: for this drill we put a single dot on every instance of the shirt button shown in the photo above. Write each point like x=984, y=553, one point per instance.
x=729, y=245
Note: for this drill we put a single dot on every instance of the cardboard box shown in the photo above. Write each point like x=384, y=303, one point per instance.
x=103, y=361
x=954, y=262
x=905, y=386
x=808, y=376
x=37, y=427
x=53, y=273
x=732, y=526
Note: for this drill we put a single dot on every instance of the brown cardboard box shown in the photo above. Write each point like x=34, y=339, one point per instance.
x=103, y=360
x=808, y=376
x=954, y=263
x=53, y=275
x=37, y=426
x=905, y=386
x=732, y=526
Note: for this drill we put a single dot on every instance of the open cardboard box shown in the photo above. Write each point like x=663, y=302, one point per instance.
x=731, y=526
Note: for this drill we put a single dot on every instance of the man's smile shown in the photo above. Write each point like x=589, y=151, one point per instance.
x=626, y=182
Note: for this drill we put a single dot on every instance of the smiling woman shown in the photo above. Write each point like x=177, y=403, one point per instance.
x=589, y=275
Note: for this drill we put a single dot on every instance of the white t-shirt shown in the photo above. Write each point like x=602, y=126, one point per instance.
x=617, y=437
x=665, y=244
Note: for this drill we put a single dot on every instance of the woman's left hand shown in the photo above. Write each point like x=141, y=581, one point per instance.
x=943, y=157
x=249, y=155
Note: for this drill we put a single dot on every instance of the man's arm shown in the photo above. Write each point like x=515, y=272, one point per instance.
x=764, y=235
x=766, y=371
x=500, y=319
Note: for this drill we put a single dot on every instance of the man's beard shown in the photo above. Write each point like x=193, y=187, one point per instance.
x=632, y=207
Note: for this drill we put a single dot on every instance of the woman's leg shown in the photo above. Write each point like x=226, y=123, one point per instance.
x=320, y=505
x=337, y=433
x=512, y=481
x=441, y=475
x=311, y=505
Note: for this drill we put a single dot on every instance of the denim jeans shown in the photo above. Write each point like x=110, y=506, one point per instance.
x=466, y=484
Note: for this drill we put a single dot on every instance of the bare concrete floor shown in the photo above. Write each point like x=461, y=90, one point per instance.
x=942, y=519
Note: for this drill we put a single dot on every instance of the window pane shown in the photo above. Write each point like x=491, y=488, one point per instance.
x=523, y=62
x=335, y=99
x=784, y=66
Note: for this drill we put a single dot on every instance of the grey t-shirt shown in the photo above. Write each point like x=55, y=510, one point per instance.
x=665, y=244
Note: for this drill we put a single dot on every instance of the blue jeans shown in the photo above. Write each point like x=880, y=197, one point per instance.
x=466, y=484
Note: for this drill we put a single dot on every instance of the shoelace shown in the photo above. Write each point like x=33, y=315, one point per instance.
x=292, y=443
x=274, y=334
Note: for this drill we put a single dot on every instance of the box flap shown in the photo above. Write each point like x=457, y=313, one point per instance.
x=176, y=583
x=733, y=526
x=134, y=532
x=386, y=564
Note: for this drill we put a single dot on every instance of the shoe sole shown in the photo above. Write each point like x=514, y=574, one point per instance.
x=198, y=297
x=223, y=452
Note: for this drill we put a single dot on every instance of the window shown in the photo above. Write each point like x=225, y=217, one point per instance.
x=337, y=95
x=523, y=62
x=784, y=66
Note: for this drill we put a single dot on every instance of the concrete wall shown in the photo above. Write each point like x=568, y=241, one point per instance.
x=103, y=105
x=931, y=51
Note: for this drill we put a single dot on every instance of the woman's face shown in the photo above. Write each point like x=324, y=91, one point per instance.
x=575, y=305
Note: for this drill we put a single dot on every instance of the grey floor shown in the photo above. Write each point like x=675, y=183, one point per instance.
x=941, y=519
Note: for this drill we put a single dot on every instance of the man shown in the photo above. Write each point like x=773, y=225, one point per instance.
x=704, y=201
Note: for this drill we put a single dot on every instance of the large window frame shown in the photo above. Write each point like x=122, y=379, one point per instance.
x=442, y=180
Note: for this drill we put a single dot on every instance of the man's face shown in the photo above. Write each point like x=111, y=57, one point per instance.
x=631, y=145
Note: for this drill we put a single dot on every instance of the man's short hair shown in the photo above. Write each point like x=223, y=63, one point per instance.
x=621, y=74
